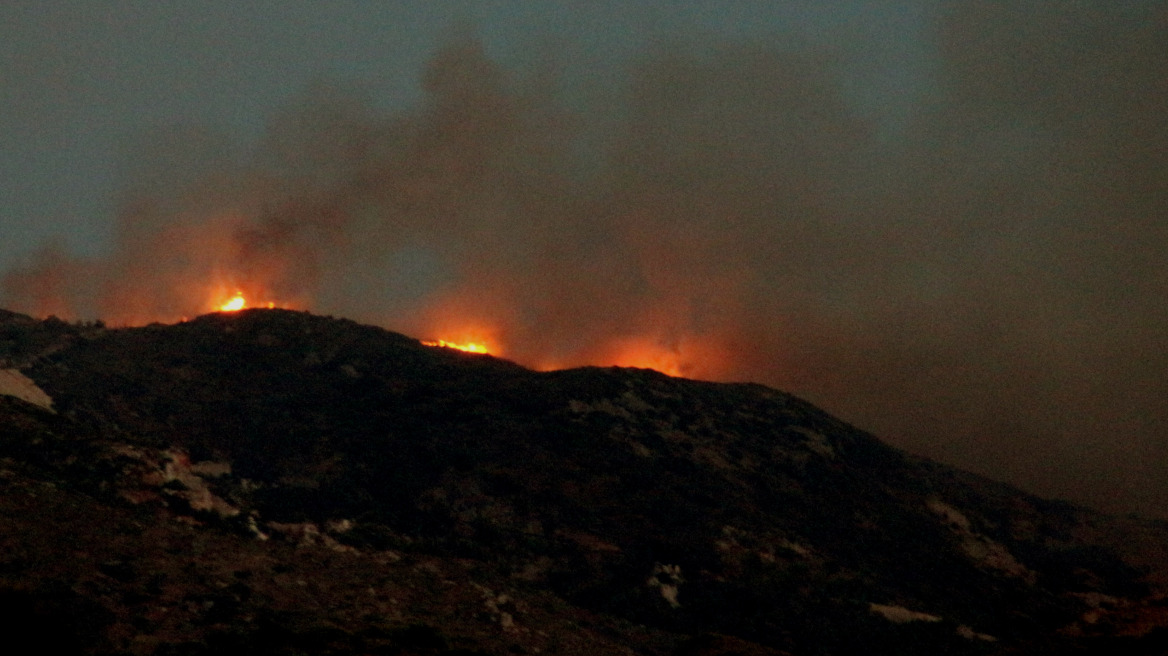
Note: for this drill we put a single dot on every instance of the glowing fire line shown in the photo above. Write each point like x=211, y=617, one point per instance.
x=234, y=304
x=470, y=347
x=237, y=303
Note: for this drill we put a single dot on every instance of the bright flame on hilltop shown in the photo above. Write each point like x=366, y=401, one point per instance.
x=235, y=304
x=238, y=302
x=470, y=347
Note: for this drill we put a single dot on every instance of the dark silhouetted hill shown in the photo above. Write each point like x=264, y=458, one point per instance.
x=273, y=482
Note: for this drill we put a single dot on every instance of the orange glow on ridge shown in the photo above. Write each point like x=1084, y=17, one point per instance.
x=238, y=302
x=234, y=304
x=648, y=358
x=469, y=347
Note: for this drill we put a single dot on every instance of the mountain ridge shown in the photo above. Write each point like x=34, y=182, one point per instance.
x=680, y=516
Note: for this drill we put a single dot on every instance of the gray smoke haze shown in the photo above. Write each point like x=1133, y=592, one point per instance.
x=987, y=287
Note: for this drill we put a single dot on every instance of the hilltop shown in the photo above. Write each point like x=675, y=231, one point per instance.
x=272, y=481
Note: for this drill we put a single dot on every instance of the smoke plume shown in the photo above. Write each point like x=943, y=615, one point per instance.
x=987, y=288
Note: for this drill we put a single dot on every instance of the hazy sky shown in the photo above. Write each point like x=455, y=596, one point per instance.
x=84, y=83
x=946, y=222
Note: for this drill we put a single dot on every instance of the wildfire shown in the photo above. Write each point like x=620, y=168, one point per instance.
x=469, y=347
x=237, y=303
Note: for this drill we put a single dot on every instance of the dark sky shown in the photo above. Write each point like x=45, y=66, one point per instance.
x=946, y=222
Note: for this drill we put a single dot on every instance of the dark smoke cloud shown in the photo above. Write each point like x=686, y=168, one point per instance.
x=988, y=289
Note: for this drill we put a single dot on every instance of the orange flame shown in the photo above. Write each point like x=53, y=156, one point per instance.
x=238, y=302
x=469, y=347
x=234, y=304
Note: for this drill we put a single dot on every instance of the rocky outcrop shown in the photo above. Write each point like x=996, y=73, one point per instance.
x=15, y=384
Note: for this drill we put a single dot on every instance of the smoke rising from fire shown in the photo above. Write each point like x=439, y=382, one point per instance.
x=987, y=288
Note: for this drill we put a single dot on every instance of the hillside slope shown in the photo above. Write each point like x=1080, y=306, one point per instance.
x=276, y=482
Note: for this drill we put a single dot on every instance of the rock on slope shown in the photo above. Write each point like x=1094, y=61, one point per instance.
x=276, y=482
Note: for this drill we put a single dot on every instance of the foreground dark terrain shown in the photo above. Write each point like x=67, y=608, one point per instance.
x=273, y=482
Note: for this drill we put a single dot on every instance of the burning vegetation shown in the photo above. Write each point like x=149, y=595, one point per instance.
x=234, y=304
x=469, y=347
x=731, y=214
x=239, y=302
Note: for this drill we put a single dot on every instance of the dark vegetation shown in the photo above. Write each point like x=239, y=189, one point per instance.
x=501, y=510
